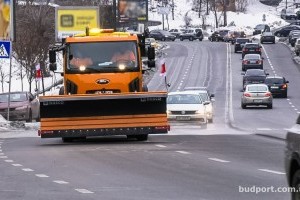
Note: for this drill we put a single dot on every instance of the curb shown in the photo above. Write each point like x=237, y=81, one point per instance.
x=269, y=136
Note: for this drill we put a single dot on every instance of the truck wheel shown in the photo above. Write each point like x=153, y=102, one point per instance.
x=181, y=38
x=142, y=137
x=67, y=139
x=211, y=120
x=61, y=90
x=243, y=106
x=145, y=88
x=296, y=185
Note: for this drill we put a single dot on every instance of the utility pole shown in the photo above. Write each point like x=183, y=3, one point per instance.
x=173, y=9
x=285, y=4
x=207, y=13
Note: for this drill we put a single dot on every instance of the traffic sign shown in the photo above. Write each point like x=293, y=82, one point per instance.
x=5, y=49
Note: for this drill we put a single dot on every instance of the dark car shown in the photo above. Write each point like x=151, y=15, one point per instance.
x=267, y=37
x=23, y=106
x=162, y=35
x=251, y=48
x=288, y=14
x=239, y=44
x=292, y=158
x=253, y=76
x=293, y=36
x=218, y=35
x=277, y=85
x=260, y=28
x=192, y=34
x=284, y=32
x=252, y=61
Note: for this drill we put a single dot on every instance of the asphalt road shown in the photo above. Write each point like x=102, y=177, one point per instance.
x=188, y=163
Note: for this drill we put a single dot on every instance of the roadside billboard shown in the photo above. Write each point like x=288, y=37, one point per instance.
x=6, y=24
x=132, y=10
x=71, y=20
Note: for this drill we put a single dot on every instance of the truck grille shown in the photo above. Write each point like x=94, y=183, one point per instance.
x=183, y=112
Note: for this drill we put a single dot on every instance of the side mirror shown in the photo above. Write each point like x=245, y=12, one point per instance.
x=206, y=103
x=212, y=95
x=151, y=53
x=151, y=63
x=243, y=73
x=262, y=58
x=286, y=81
x=52, y=60
x=267, y=74
x=52, y=56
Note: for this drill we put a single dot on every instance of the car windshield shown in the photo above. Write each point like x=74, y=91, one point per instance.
x=184, y=99
x=101, y=57
x=257, y=88
x=204, y=97
x=274, y=81
x=260, y=27
x=242, y=40
x=267, y=34
x=252, y=46
x=255, y=72
x=14, y=97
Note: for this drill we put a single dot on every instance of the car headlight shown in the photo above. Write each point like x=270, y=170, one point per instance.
x=21, y=108
x=201, y=112
x=168, y=112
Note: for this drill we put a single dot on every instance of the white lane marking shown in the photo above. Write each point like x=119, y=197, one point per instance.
x=298, y=112
x=60, y=182
x=3, y=156
x=84, y=191
x=0, y=150
x=27, y=170
x=42, y=175
x=272, y=171
x=219, y=160
x=162, y=146
x=183, y=152
x=296, y=109
x=8, y=160
x=17, y=165
x=293, y=106
x=288, y=99
x=264, y=129
x=290, y=103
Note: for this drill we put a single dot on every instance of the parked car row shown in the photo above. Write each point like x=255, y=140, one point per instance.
x=182, y=34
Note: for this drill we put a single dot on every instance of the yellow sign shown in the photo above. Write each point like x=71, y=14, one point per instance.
x=5, y=19
x=73, y=20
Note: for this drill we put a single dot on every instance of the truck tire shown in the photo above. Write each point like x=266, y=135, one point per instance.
x=296, y=184
x=145, y=88
x=61, y=90
x=67, y=139
x=142, y=137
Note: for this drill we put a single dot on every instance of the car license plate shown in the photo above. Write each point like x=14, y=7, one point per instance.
x=252, y=62
x=257, y=101
x=104, y=92
x=183, y=118
x=274, y=87
x=251, y=49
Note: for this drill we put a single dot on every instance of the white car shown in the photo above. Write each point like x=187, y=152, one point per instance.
x=207, y=98
x=186, y=106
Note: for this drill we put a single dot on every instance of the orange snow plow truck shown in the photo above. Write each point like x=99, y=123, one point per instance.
x=103, y=92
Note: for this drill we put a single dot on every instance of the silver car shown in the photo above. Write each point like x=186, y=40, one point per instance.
x=257, y=94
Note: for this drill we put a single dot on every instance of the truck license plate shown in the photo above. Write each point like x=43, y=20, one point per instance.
x=104, y=92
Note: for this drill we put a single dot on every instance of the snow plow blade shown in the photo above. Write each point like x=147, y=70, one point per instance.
x=103, y=115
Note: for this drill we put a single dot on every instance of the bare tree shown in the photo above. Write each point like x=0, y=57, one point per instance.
x=242, y=5
x=35, y=33
x=3, y=75
x=214, y=8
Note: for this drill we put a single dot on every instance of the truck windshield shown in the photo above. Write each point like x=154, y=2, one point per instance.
x=102, y=57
